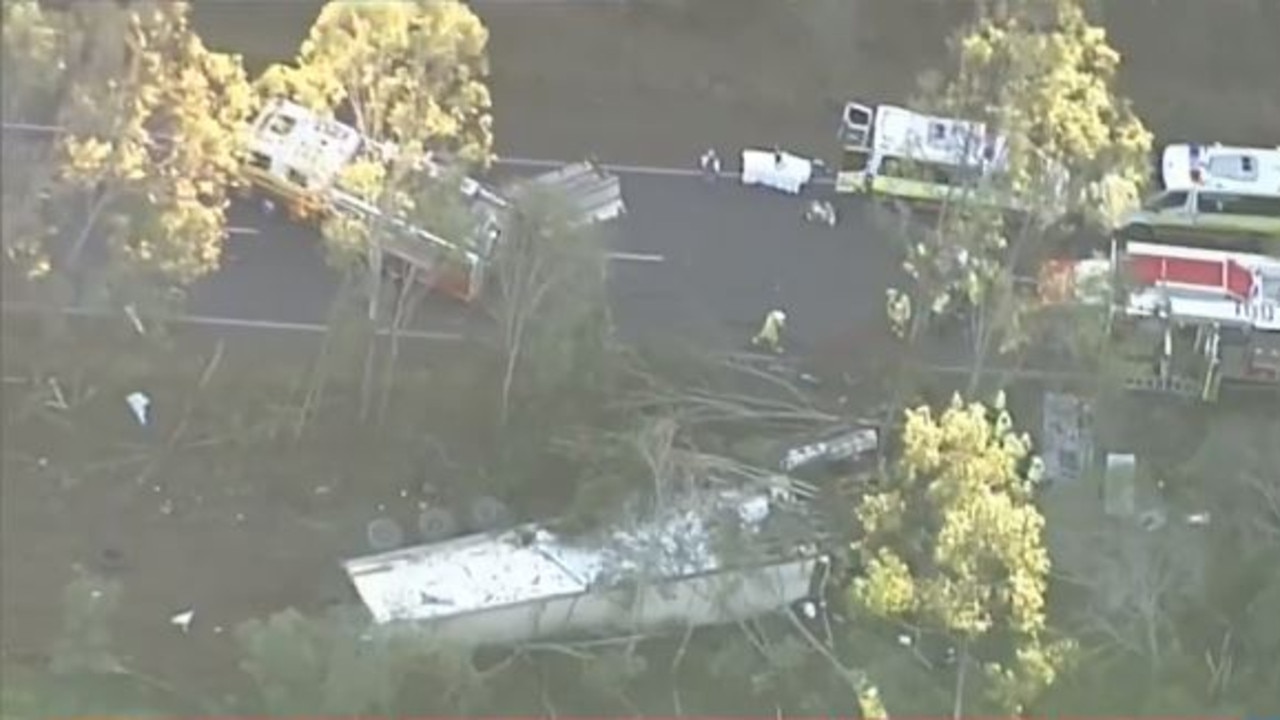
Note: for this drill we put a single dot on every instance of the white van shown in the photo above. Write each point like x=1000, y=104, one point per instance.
x=1221, y=167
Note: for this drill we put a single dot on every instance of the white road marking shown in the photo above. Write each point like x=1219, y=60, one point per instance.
x=637, y=257
x=512, y=161
x=241, y=323
x=238, y=230
x=636, y=169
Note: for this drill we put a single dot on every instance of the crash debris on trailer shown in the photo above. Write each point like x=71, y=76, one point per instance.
x=714, y=556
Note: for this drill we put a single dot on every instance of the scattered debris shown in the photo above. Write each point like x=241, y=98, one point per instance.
x=140, y=404
x=183, y=620
x=111, y=560
x=843, y=445
x=132, y=313
x=59, y=401
x=1152, y=520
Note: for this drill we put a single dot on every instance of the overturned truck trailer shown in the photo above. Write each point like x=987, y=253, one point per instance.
x=718, y=558
x=593, y=194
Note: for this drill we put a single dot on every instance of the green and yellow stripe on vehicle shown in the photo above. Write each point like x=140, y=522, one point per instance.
x=917, y=191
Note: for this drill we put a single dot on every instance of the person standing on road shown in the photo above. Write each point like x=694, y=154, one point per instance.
x=770, y=335
x=710, y=163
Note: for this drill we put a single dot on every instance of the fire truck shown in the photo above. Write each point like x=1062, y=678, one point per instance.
x=1184, y=320
x=297, y=160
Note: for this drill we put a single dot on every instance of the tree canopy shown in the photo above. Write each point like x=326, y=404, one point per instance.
x=1045, y=76
x=410, y=73
x=953, y=543
x=154, y=132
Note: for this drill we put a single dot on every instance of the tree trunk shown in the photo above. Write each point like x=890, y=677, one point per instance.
x=398, y=320
x=957, y=707
x=508, y=378
x=72, y=259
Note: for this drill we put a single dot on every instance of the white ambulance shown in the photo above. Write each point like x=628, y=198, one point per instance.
x=890, y=150
x=1217, y=167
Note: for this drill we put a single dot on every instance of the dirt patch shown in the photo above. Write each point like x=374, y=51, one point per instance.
x=216, y=505
x=656, y=82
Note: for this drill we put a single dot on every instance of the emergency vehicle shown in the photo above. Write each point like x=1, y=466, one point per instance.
x=297, y=158
x=1245, y=220
x=1184, y=319
x=1220, y=167
x=893, y=151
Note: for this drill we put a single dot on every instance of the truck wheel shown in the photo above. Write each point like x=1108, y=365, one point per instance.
x=384, y=534
x=488, y=513
x=436, y=524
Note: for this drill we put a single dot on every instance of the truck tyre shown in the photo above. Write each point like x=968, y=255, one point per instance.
x=384, y=534
x=487, y=514
x=436, y=524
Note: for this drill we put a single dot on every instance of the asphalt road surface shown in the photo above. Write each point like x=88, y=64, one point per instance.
x=706, y=262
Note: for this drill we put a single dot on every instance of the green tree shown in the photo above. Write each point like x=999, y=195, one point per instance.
x=339, y=665
x=551, y=303
x=411, y=75
x=155, y=130
x=408, y=72
x=953, y=543
x=1043, y=76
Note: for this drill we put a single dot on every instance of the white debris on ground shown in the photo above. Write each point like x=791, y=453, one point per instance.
x=132, y=313
x=532, y=562
x=182, y=620
x=140, y=404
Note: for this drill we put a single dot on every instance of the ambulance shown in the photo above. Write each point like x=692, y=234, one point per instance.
x=297, y=158
x=1220, y=168
x=892, y=151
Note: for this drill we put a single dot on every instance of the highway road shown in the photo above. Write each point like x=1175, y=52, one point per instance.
x=699, y=262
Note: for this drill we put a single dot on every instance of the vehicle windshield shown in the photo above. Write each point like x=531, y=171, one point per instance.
x=1168, y=200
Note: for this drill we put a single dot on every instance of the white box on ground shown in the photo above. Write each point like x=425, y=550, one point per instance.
x=776, y=169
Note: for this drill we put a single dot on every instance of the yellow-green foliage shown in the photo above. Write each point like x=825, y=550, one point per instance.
x=1046, y=76
x=155, y=127
x=412, y=73
x=955, y=543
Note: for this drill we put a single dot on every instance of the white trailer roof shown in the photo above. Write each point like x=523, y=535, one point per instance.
x=1221, y=167
x=532, y=563
x=929, y=138
x=296, y=138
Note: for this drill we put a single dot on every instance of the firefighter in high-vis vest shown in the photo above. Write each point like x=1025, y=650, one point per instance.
x=770, y=335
